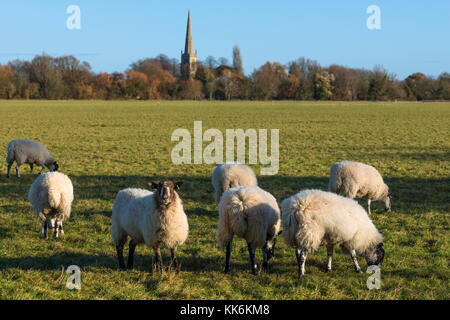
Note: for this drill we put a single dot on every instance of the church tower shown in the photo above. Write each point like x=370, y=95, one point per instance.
x=189, y=57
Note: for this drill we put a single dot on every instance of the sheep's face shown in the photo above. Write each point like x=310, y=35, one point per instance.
x=375, y=256
x=53, y=167
x=271, y=247
x=165, y=191
x=387, y=202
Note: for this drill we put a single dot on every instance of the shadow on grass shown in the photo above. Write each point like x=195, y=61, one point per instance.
x=141, y=262
x=409, y=194
x=56, y=261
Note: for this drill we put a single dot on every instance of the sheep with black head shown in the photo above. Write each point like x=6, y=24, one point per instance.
x=154, y=218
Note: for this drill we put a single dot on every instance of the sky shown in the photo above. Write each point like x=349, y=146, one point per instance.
x=414, y=35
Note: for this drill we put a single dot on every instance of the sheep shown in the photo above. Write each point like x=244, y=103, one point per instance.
x=154, y=218
x=51, y=196
x=31, y=152
x=359, y=180
x=231, y=174
x=253, y=214
x=312, y=218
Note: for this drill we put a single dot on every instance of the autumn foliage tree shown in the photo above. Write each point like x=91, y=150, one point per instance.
x=7, y=87
x=46, y=77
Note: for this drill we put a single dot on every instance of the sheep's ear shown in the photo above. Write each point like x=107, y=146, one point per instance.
x=153, y=185
x=178, y=184
x=380, y=245
x=279, y=232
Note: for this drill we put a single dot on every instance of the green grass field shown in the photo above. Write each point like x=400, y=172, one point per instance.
x=107, y=146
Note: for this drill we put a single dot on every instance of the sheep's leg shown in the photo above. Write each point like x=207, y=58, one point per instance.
x=355, y=261
x=368, y=205
x=44, y=229
x=61, y=230
x=157, y=258
x=131, y=249
x=42, y=169
x=251, y=252
x=265, y=263
x=173, y=253
x=227, y=257
x=119, y=249
x=301, y=259
x=56, y=229
x=31, y=168
x=18, y=171
x=330, y=257
x=9, y=169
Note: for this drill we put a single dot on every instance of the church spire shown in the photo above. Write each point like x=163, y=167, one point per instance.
x=189, y=57
x=189, y=46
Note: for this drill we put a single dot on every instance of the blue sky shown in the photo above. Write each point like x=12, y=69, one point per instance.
x=414, y=35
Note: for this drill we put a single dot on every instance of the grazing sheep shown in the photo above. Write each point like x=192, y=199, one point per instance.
x=312, y=218
x=229, y=175
x=154, y=218
x=31, y=152
x=250, y=213
x=51, y=196
x=359, y=180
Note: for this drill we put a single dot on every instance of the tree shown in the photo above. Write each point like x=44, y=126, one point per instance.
x=267, y=80
x=211, y=62
x=346, y=80
x=24, y=88
x=190, y=89
x=444, y=86
x=223, y=61
x=290, y=88
x=323, y=85
x=377, y=84
x=137, y=85
x=7, y=87
x=44, y=72
x=415, y=86
x=74, y=74
x=304, y=70
x=228, y=82
x=237, y=60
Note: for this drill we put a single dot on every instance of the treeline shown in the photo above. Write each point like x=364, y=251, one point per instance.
x=66, y=77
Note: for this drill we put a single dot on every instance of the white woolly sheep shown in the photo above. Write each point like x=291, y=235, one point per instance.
x=253, y=214
x=359, y=180
x=312, y=218
x=154, y=218
x=229, y=175
x=31, y=152
x=51, y=196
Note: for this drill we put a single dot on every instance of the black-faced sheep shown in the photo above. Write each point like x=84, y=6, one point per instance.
x=250, y=213
x=312, y=218
x=359, y=180
x=229, y=175
x=154, y=218
x=51, y=196
x=31, y=152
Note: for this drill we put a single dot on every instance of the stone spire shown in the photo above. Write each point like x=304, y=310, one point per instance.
x=189, y=46
x=189, y=57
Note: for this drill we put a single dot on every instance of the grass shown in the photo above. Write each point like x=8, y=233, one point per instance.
x=107, y=146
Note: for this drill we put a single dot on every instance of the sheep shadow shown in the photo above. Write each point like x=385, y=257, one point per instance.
x=55, y=261
x=418, y=194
